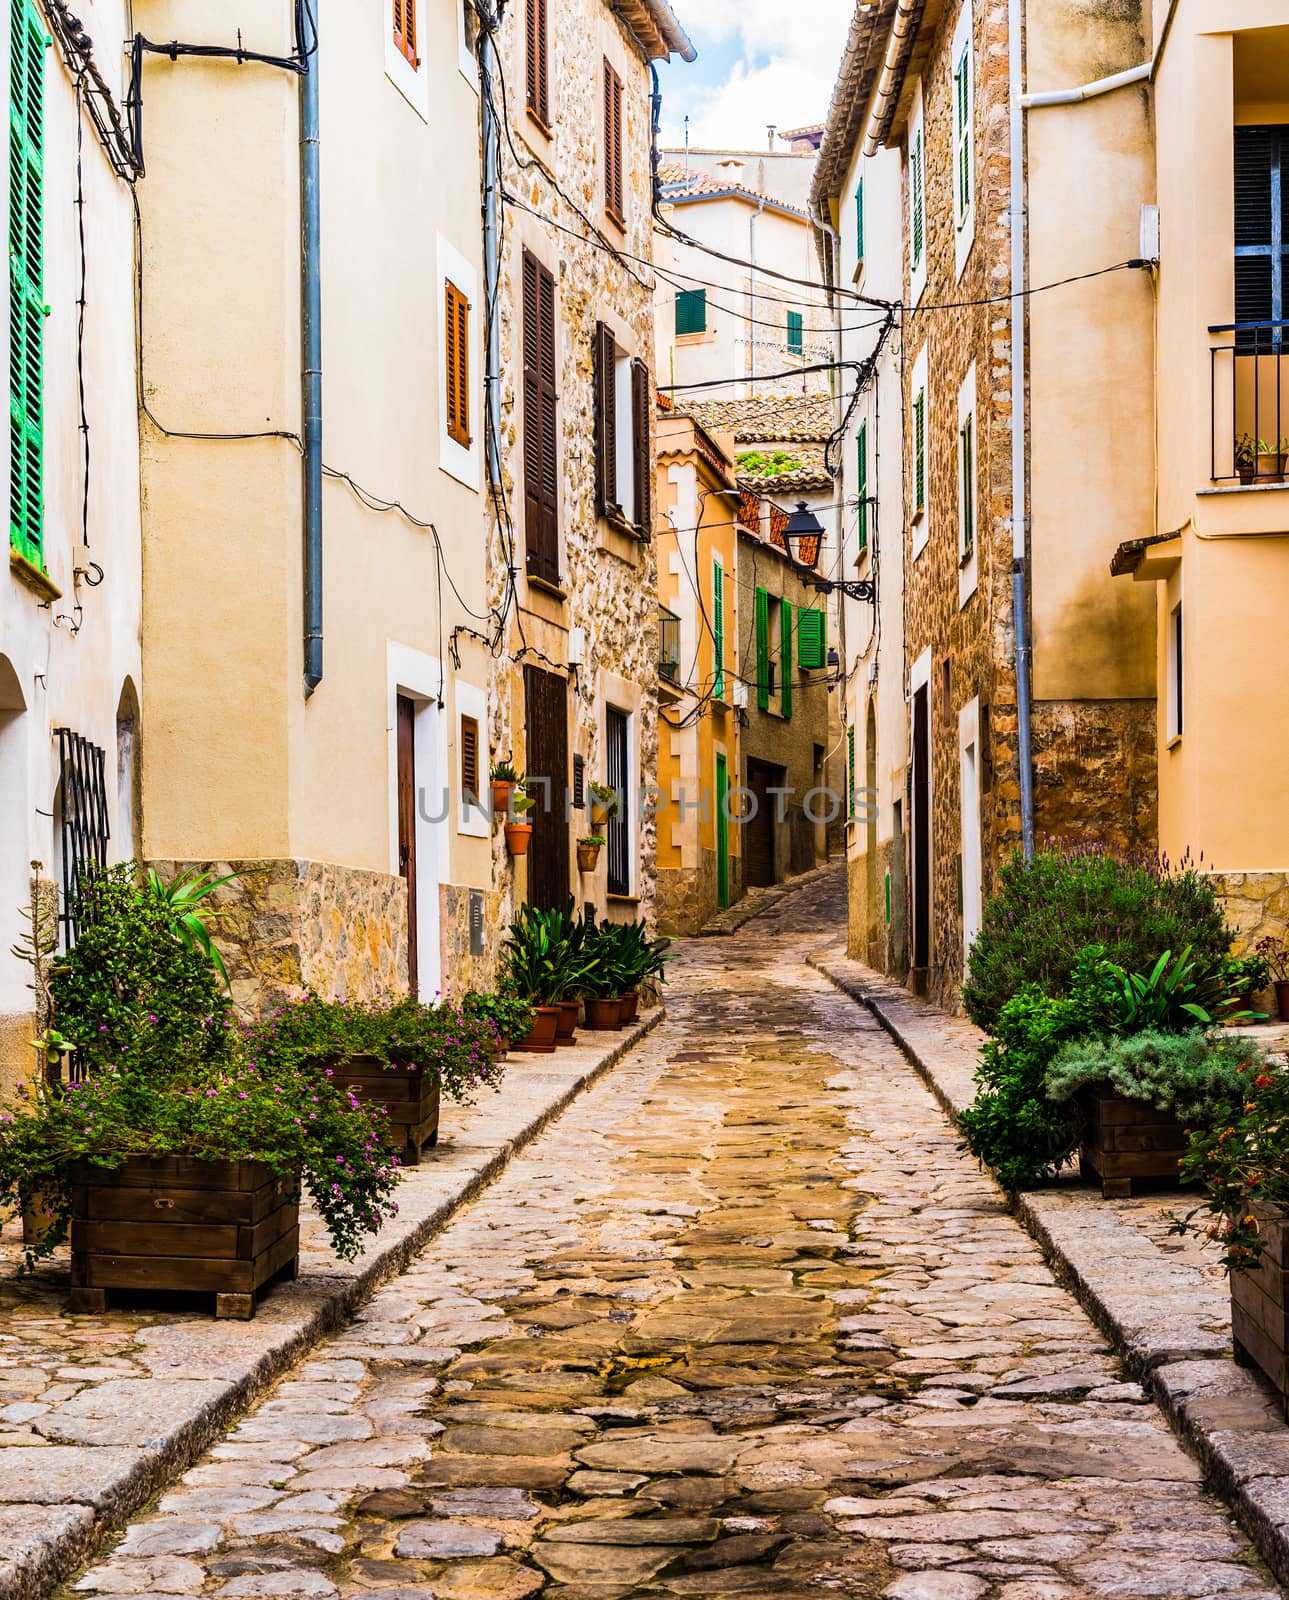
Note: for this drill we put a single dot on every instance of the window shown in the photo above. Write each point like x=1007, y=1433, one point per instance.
x=966, y=488
x=763, y=685
x=26, y=292
x=962, y=133
x=537, y=56
x=470, y=760
x=861, y=485
x=1261, y=229
x=405, y=30
x=796, y=343
x=691, y=312
x=1174, y=664
x=81, y=807
x=617, y=830
x=623, y=459
x=541, y=457
x=612, y=144
x=919, y=452
x=718, y=630
x=917, y=200
x=456, y=327
x=850, y=772
x=785, y=650
x=859, y=222
x=812, y=643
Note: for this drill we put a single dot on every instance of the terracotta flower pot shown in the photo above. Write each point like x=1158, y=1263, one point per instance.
x=541, y=1037
x=603, y=1014
x=588, y=857
x=1282, y=999
x=599, y=813
x=519, y=835
x=630, y=1004
x=567, y=1028
x=501, y=793
x=1271, y=466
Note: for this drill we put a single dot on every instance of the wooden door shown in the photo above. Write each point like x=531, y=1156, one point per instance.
x=722, y=834
x=407, y=824
x=921, y=828
x=759, y=829
x=546, y=715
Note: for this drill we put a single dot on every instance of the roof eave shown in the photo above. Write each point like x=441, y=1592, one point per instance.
x=662, y=35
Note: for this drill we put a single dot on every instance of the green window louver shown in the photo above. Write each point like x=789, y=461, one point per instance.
x=718, y=630
x=26, y=272
x=691, y=311
x=859, y=221
x=967, y=513
x=919, y=451
x=861, y=485
x=796, y=339
x=812, y=647
x=917, y=216
x=962, y=130
x=785, y=630
x=762, y=650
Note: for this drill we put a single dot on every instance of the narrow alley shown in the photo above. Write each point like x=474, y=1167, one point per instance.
x=744, y=1321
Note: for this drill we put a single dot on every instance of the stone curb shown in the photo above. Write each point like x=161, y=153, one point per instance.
x=51, y=1524
x=1168, y=1326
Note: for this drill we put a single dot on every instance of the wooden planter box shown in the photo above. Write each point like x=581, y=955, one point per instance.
x=1129, y=1139
x=1259, y=1297
x=410, y=1096
x=176, y=1223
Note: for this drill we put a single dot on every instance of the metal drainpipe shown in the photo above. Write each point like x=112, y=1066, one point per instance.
x=491, y=255
x=1020, y=596
x=311, y=362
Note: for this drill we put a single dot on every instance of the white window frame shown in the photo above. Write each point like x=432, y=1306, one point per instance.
x=919, y=521
x=964, y=218
x=968, y=493
x=1175, y=674
x=463, y=463
x=413, y=83
x=468, y=66
x=917, y=152
x=420, y=677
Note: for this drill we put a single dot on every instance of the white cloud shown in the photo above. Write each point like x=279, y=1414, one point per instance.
x=775, y=63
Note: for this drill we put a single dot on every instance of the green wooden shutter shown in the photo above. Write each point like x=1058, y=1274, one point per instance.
x=967, y=514
x=859, y=220
x=722, y=832
x=796, y=341
x=861, y=483
x=718, y=630
x=785, y=629
x=812, y=652
x=919, y=452
x=962, y=117
x=915, y=198
x=691, y=311
x=850, y=771
x=26, y=292
x=762, y=650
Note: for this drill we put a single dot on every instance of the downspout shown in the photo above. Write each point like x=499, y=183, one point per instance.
x=311, y=358
x=1145, y=73
x=903, y=32
x=1020, y=584
x=491, y=254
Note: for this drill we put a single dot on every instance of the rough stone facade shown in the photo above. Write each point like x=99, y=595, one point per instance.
x=463, y=971
x=1256, y=904
x=287, y=925
x=607, y=584
x=1095, y=773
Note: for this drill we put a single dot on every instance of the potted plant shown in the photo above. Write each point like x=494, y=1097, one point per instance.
x=519, y=833
x=510, y=1015
x=1247, y=976
x=604, y=804
x=1274, y=950
x=588, y=852
x=1246, y=457
x=1271, y=461
x=503, y=781
x=1243, y=1164
x=602, y=978
x=534, y=963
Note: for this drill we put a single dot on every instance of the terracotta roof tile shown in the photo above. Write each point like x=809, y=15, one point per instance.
x=766, y=418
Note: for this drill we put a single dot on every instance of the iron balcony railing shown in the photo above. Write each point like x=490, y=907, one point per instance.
x=1249, y=401
x=668, y=645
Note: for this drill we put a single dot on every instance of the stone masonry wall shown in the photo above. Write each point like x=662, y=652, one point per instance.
x=1095, y=773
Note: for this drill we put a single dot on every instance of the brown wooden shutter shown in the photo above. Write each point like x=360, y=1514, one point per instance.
x=470, y=759
x=606, y=421
x=541, y=452
x=612, y=143
x=456, y=335
x=642, y=455
x=405, y=29
x=537, y=55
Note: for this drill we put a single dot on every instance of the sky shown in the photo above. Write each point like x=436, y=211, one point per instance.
x=759, y=61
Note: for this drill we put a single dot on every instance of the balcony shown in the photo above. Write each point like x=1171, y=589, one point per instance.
x=668, y=646
x=1249, y=392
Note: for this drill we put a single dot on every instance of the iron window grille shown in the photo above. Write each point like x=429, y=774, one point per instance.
x=617, y=830
x=82, y=790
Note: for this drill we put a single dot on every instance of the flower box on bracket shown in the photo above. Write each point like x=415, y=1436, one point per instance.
x=1260, y=1304
x=409, y=1096
x=225, y=1228
x=1126, y=1140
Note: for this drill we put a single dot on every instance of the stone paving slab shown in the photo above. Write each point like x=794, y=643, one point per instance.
x=756, y=901
x=99, y=1412
x=1164, y=1301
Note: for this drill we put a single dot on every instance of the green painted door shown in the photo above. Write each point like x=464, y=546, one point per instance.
x=722, y=834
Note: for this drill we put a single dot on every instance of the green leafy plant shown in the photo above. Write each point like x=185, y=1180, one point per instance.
x=1246, y=975
x=1196, y=1076
x=503, y=772
x=606, y=798
x=510, y=1015
x=1246, y=452
x=521, y=803
x=544, y=956
x=1243, y=1164
x=1274, y=950
x=592, y=841
x=184, y=900
x=1175, y=996
x=130, y=986
x=767, y=463
x=1048, y=911
x=311, y=1035
x=179, y=1098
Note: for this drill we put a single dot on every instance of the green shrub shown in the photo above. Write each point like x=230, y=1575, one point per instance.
x=1175, y=996
x=1049, y=910
x=509, y=1015
x=1196, y=1076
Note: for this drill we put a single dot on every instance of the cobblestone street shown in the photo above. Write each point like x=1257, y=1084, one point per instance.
x=742, y=1322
